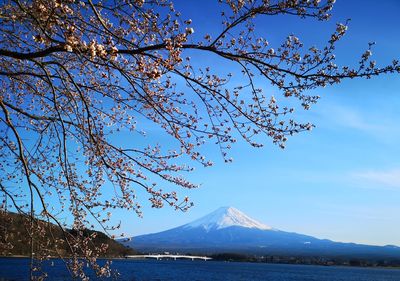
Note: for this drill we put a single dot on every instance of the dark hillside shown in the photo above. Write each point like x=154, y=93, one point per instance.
x=14, y=231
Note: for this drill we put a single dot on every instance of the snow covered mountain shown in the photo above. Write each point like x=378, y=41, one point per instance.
x=226, y=217
x=229, y=230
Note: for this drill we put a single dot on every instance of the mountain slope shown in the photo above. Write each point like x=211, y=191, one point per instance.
x=13, y=231
x=226, y=217
x=229, y=230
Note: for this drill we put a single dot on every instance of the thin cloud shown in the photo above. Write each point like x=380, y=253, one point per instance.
x=377, y=124
x=351, y=118
x=386, y=178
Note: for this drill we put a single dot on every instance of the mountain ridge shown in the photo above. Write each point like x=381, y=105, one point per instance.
x=13, y=232
x=225, y=217
x=229, y=230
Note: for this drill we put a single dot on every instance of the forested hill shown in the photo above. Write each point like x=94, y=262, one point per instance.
x=15, y=239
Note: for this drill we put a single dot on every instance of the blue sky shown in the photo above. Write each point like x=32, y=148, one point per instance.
x=340, y=181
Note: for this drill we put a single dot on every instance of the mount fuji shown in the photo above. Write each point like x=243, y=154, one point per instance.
x=225, y=217
x=229, y=230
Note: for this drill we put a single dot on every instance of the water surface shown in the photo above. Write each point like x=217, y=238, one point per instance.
x=143, y=270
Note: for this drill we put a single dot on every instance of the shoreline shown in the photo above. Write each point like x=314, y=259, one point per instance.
x=223, y=261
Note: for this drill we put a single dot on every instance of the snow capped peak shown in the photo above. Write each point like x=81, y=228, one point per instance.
x=226, y=217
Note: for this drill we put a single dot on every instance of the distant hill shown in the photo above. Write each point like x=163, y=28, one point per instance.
x=12, y=228
x=227, y=230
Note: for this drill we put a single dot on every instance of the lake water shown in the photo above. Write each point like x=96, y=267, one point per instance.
x=17, y=269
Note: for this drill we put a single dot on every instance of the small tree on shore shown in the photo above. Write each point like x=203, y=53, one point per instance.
x=75, y=74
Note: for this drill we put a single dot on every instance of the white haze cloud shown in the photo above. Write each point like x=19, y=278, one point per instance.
x=384, y=178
